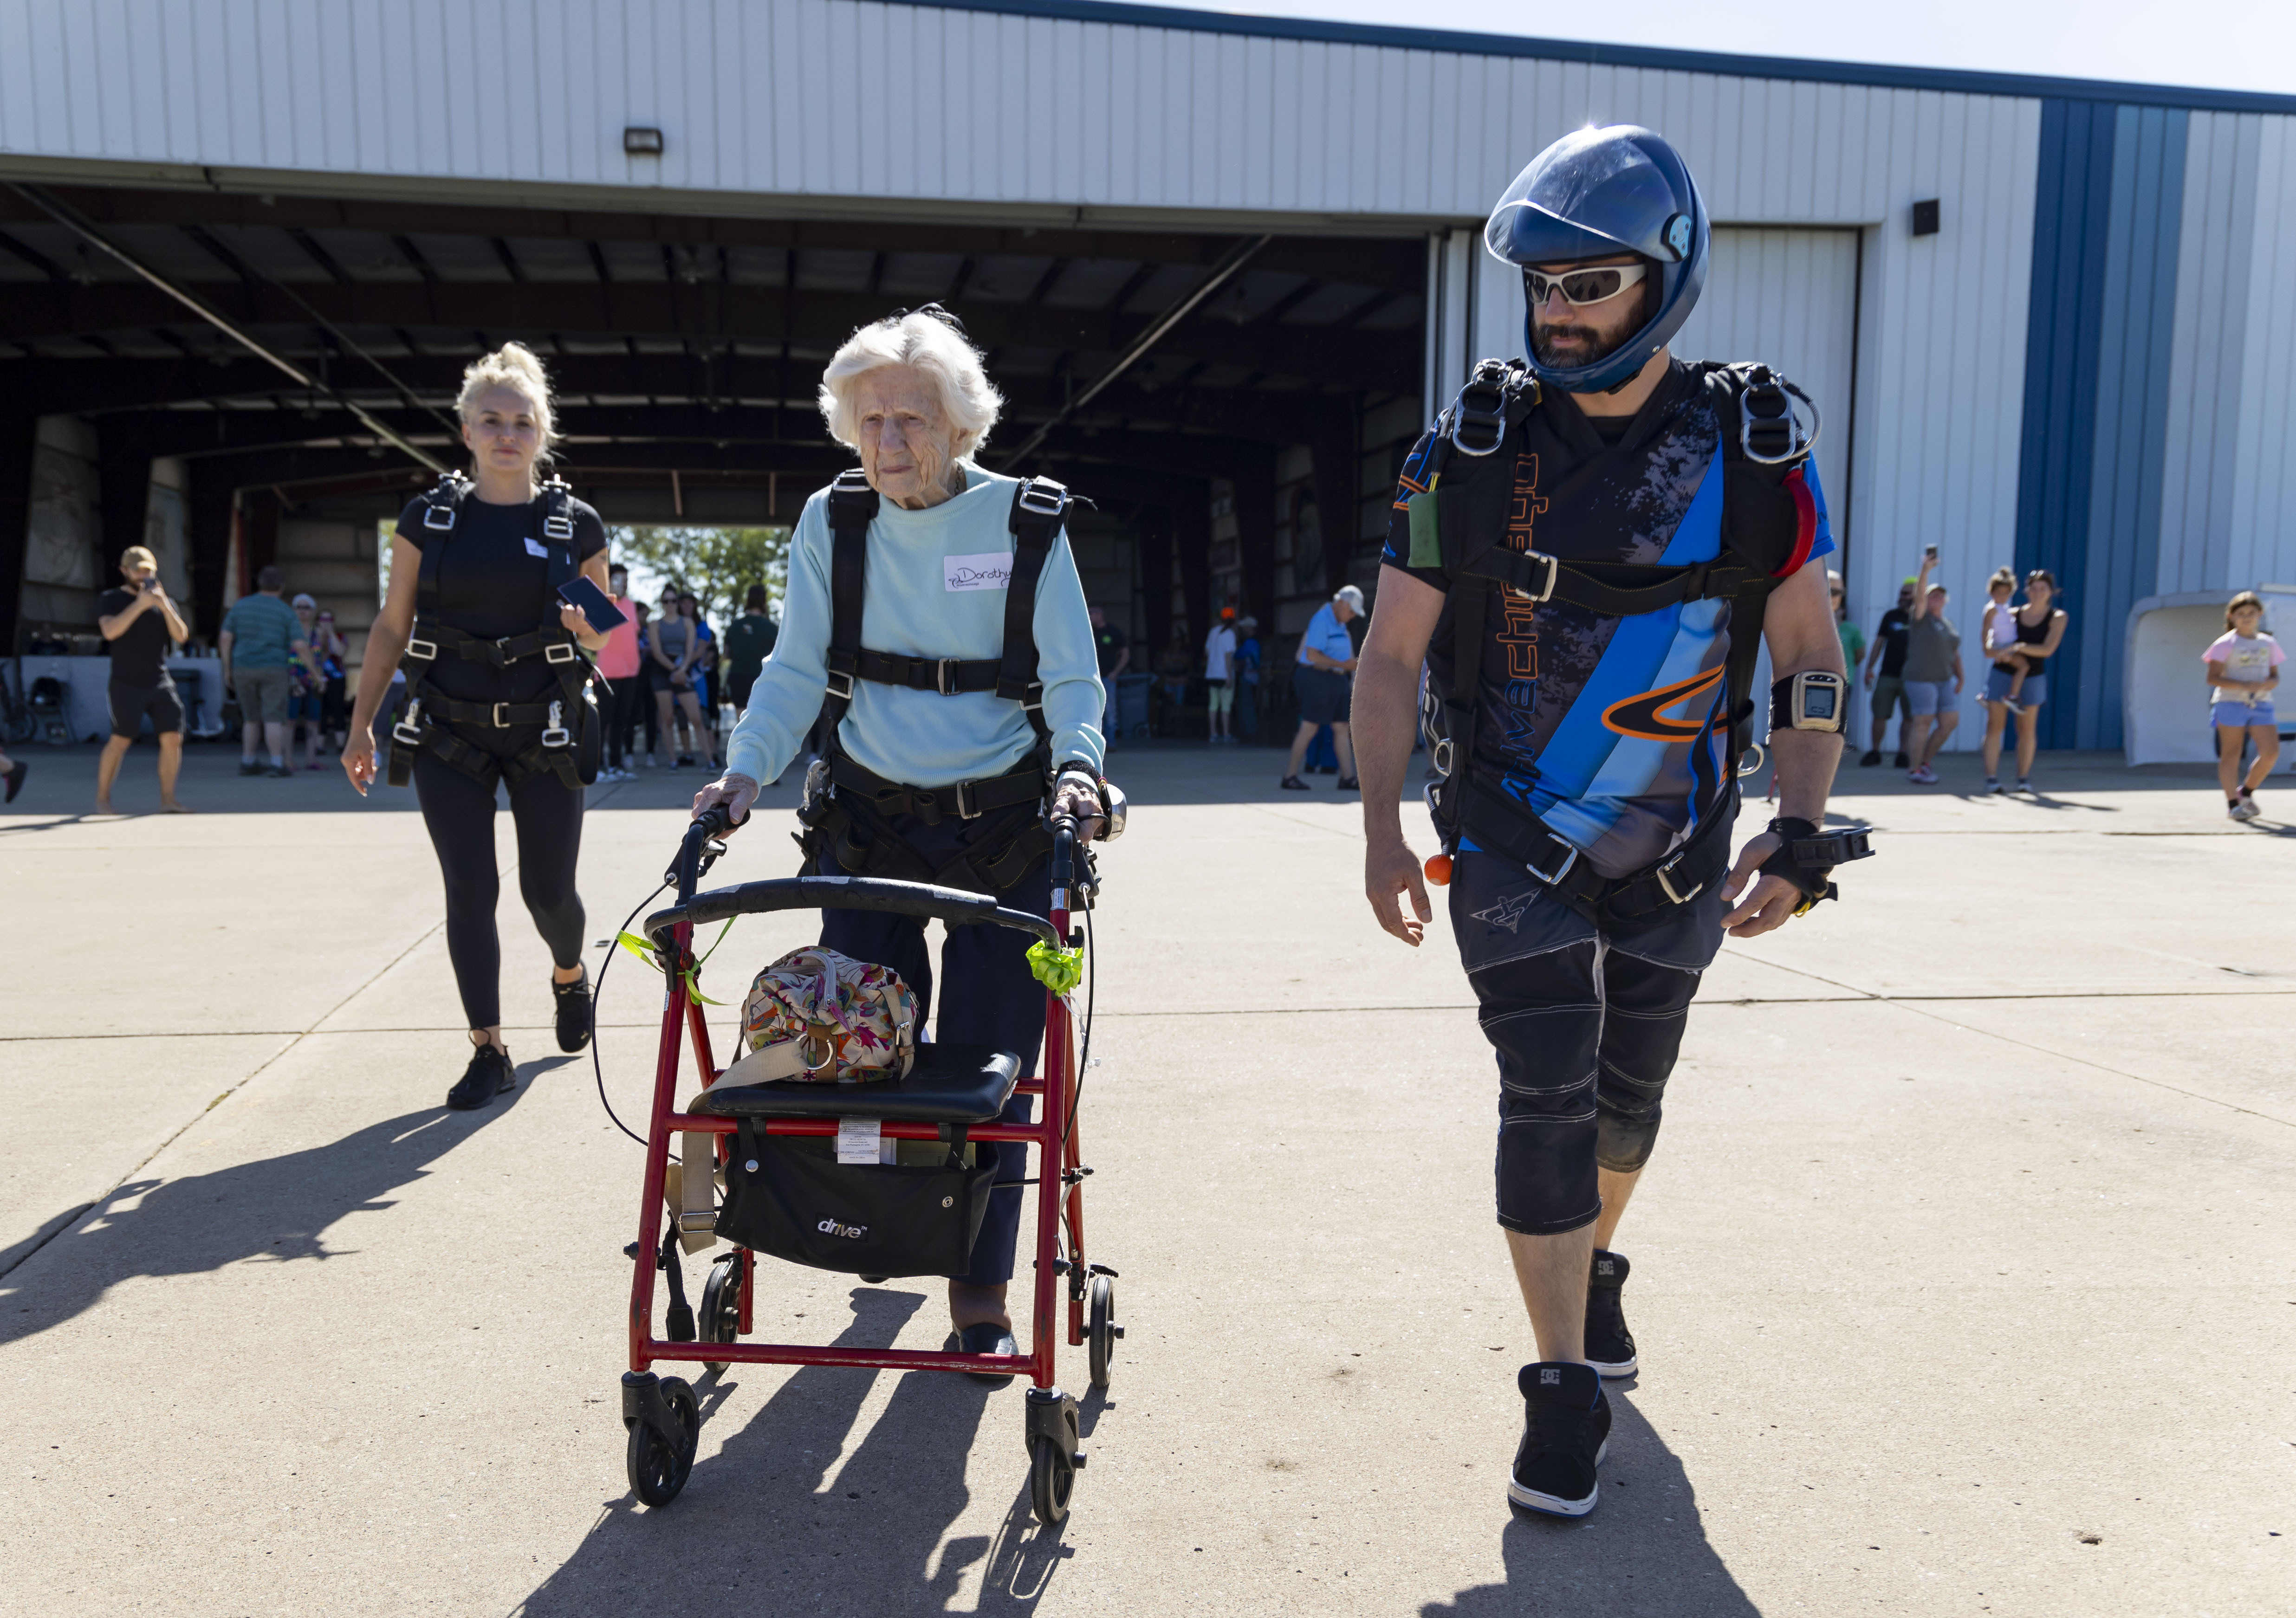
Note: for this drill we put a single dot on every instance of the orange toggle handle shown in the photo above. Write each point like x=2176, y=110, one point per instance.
x=1439, y=869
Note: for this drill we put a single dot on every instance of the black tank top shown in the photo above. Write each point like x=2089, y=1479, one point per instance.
x=2034, y=634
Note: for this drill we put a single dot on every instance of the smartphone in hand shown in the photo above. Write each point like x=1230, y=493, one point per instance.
x=582, y=593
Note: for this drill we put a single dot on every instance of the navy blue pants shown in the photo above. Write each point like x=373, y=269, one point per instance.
x=987, y=997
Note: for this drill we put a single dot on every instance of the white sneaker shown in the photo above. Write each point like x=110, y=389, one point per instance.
x=2244, y=810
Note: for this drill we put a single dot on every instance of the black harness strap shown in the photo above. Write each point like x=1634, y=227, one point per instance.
x=853, y=820
x=428, y=713
x=1758, y=509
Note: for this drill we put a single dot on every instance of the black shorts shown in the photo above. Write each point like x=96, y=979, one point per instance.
x=131, y=703
x=1323, y=694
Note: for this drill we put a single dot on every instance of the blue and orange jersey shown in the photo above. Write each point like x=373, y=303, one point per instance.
x=1614, y=730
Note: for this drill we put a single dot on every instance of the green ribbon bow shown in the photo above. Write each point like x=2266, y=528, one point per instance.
x=1058, y=969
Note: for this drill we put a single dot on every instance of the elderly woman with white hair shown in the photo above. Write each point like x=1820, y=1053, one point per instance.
x=936, y=625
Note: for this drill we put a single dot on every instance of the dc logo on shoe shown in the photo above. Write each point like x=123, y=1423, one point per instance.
x=829, y=1227
x=1604, y=1266
x=1550, y=1378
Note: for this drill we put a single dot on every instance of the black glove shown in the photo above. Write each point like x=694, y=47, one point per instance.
x=1807, y=856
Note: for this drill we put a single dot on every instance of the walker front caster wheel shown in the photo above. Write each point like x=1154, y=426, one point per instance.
x=721, y=1305
x=665, y=1427
x=1053, y=1458
x=1101, y=1331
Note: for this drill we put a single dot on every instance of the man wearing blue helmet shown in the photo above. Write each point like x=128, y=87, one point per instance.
x=1587, y=551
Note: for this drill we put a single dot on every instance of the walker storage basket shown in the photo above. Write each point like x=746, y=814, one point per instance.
x=788, y=1196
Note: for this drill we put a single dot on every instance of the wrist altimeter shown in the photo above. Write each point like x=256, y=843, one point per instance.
x=1808, y=854
x=1816, y=699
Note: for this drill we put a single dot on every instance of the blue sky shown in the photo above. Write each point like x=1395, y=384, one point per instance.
x=2226, y=45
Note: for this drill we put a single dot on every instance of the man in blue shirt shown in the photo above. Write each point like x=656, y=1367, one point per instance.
x=1598, y=784
x=1320, y=678
x=261, y=638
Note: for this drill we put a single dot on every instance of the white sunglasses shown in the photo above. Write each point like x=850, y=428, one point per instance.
x=1581, y=287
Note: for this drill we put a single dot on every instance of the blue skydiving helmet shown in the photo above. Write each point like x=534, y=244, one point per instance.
x=1595, y=193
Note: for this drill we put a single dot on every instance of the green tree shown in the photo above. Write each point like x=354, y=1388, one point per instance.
x=717, y=565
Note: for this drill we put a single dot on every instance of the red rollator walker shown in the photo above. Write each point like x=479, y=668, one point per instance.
x=951, y=1094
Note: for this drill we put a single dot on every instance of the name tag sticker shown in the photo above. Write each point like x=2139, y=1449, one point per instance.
x=991, y=570
x=534, y=548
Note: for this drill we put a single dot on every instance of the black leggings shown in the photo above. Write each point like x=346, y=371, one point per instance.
x=1587, y=1036
x=460, y=814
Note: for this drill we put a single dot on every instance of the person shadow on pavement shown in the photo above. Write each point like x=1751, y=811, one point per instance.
x=274, y=1209
x=1643, y=1553
x=782, y=1515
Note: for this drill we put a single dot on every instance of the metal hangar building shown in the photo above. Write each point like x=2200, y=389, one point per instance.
x=246, y=248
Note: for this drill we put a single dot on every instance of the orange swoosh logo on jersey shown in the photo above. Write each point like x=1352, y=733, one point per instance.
x=1641, y=716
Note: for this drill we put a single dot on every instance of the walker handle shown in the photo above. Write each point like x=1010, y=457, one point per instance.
x=921, y=899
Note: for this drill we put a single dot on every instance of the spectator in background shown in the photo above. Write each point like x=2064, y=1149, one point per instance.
x=1888, y=687
x=2244, y=665
x=1219, y=676
x=1321, y=676
x=2040, y=625
x=648, y=673
x=1932, y=675
x=749, y=643
x=706, y=689
x=1249, y=658
x=675, y=647
x=12, y=772
x=1853, y=639
x=141, y=623
x=1996, y=627
x=262, y=637
x=306, y=689
x=335, y=701
x=1114, y=647
x=619, y=662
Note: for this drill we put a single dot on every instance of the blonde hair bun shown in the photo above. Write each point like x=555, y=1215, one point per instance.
x=517, y=367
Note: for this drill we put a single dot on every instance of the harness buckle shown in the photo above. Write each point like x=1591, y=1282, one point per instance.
x=427, y=650
x=1480, y=412
x=1042, y=497
x=843, y=693
x=1665, y=875
x=408, y=729
x=1545, y=592
x=559, y=528
x=968, y=806
x=559, y=651
x=1441, y=756
x=431, y=515
x=943, y=673
x=1560, y=871
x=498, y=721
x=555, y=733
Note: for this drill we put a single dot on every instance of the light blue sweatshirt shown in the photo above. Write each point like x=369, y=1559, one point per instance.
x=933, y=589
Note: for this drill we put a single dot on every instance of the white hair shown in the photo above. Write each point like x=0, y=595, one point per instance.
x=968, y=399
x=517, y=367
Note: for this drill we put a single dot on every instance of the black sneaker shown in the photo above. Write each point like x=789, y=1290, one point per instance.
x=1292, y=783
x=573, y=1011
x=1609, y=1345
x=1348, y=783
x=1566, y=1429
x=1873, y=756
x=250, y=766
x=987, y=1338
x=1905, y=761
x=488, y=1074
x=15, y=778
x=279, y=773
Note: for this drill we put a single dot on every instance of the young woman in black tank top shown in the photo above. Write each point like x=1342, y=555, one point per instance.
x=2040, y=626
x=492, y=583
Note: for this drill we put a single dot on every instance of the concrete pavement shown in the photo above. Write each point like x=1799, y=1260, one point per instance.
x=1962, y=1277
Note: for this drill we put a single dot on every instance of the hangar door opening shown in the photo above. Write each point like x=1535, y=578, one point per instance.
x=1789, y=298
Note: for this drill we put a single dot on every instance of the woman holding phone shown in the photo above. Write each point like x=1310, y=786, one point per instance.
x=473, y=569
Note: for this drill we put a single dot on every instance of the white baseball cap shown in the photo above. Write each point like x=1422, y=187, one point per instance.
x=1352, y=596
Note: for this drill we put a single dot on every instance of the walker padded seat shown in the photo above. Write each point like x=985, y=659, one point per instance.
x=946, y=1084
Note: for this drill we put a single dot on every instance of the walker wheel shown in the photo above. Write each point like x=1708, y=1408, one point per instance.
x=1101, y=1330
x=659, y=1466
x=1052, y=1479
x=721, y=1305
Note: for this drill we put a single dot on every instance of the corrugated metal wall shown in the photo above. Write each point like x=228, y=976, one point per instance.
x=2262, y=541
